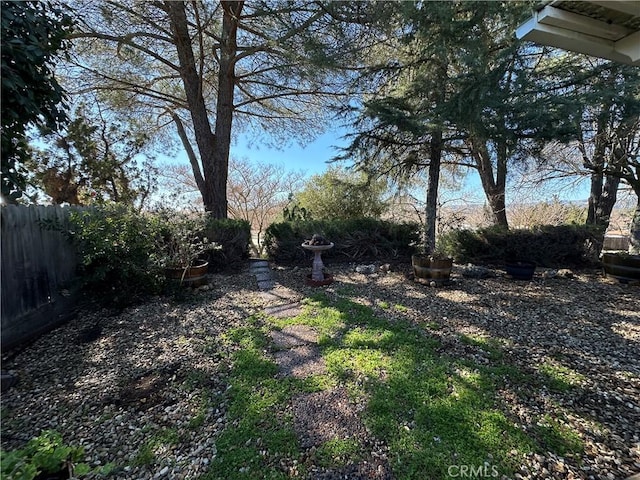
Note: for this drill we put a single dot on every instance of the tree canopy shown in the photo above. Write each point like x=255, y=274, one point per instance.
x=461, y=78
x=210, y=68
x=33, y=35
x=98, y=157
x=339, y=193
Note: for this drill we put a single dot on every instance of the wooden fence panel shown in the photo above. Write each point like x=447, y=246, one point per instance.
x=38, y=266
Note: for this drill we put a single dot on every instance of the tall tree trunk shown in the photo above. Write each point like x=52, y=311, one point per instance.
x=634, y=237
x=431, y=209
x=597, y=180
x=213, y=147
x=604, y=187
x=602, y=199
x=219, y=167
x=499, y=195
x=494, y=187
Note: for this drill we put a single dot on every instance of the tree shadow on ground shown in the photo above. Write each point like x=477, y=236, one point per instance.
x=112, y=382
x=555, y=355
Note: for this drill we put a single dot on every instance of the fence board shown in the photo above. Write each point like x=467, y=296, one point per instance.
x=38, y=266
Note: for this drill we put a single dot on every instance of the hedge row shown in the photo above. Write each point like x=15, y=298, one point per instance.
x=547, y=245
x=356, y=240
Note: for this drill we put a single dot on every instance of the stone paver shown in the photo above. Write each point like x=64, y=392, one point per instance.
x=294, y=336
x=258, y=264
x=280, y=295
x=266, y=284
x=286, y=310
x=263, y=274
x=301, y=362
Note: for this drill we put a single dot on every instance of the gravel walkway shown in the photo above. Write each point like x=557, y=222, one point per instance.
x=116, y=382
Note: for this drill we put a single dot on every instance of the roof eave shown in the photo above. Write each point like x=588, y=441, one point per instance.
x=547, y=27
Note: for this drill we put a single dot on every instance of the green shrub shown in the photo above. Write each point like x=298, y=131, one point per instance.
x=114, y=245
x=357, y=239
x=122, y=253
x=181, y=238
x=233, y=236
x=546, y=245
x=45, y=454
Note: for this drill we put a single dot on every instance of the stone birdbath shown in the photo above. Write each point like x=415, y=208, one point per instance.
x=317, y=245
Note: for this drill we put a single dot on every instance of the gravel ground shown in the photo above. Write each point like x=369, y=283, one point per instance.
x=105, y=381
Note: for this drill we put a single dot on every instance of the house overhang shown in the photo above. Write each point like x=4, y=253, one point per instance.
x=605, y=29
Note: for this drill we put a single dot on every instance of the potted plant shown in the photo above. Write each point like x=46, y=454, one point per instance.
x=431, y=268
x=180, y=246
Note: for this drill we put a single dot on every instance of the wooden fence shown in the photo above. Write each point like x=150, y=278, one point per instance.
x=37, y=270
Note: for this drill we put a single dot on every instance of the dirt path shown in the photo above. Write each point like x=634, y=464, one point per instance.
x=321, y=418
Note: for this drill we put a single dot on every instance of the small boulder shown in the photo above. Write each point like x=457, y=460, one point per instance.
x=366, y=269
x=565, y=273
x=475, y=271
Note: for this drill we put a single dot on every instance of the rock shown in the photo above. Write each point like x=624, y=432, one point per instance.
x=475, y=271
x=565, y=273
x=366, y=269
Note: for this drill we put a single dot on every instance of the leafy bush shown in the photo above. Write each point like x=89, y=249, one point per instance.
x=355, y=239
x=114, y=245
x=122, y=253
x=45, y=454
x=181, y=239
x=546, y=245
x=233, y=236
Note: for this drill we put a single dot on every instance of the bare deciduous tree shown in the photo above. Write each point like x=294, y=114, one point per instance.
x=256, y=192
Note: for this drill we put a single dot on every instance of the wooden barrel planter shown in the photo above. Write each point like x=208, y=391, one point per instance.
x=520, y=270
x=427, y=269
x=194, y=276
x=624, y=267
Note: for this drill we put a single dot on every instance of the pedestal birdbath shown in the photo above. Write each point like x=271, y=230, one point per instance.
x=317, y=246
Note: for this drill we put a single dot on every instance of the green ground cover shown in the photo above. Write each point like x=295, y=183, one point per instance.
x=432, y=410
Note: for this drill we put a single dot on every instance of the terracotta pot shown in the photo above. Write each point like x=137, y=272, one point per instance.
x=623, y=267
x=194, y=276
x=426, y=268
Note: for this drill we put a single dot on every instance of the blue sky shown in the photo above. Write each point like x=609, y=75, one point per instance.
x=311, y=158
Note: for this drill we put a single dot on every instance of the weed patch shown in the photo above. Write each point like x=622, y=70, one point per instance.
x=557, y=437
x=260, y=439
x=559, y=377
x=155, y=446
x=338, y=452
